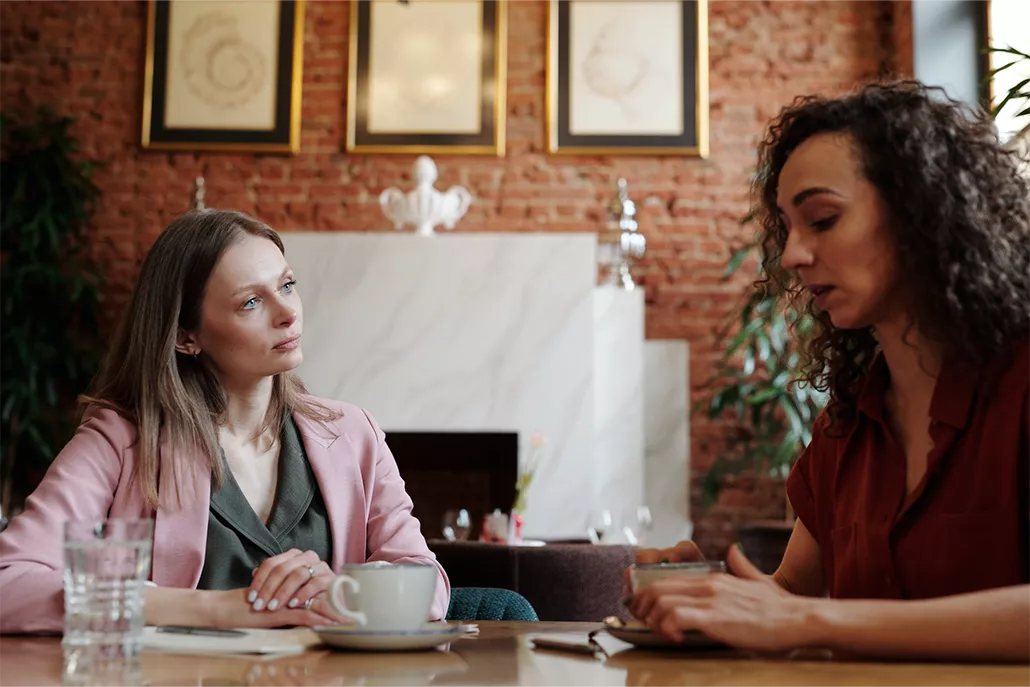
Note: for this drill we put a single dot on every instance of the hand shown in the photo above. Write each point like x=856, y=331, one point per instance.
x=289, y=580
x=747, y=609
x=231, y=609
x=683, y=552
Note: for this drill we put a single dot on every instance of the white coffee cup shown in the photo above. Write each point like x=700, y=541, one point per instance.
x=384, y=597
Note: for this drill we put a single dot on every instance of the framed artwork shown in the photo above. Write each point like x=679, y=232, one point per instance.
x=627, y=77
x=427, y=77
x=223, y=75
x=1007, y=65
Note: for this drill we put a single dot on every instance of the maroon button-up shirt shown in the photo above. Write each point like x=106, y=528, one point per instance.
x=966, y=526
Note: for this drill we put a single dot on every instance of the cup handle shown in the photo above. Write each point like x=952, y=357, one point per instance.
x=336, y=599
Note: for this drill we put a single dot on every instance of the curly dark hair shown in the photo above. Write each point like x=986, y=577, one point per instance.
x=961, y=215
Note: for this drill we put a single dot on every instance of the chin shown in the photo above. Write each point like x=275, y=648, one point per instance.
x=288, y=363
x=842, y=319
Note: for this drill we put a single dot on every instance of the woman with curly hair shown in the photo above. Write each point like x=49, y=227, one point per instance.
x=896, y=220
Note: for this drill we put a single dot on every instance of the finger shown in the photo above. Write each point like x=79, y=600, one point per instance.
x=687, y=585
x=648, y=556
x=687, y=552
x=740, y=566
x=674, y=624
x=668, y=603
x=288, y=576
x=310, y=588
x=327, y=613
x=265, y=569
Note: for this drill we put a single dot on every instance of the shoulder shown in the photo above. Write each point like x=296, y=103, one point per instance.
x=338, y=417
x=110, y=423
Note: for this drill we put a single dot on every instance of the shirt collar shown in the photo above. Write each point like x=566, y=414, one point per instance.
x=953, y=394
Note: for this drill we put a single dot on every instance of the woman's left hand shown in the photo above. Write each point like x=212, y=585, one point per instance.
x=289, y=580
x=747, y=609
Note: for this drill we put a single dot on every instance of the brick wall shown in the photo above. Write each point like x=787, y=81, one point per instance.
x=86, y=59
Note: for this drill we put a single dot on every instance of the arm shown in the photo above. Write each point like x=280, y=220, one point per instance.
x=801, y=570
x=991, y=625
x=80, y=484
x=393, y=534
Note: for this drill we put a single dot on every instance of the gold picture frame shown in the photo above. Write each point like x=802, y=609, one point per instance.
x=223, y=75
x=610, y=66
x=399, y=50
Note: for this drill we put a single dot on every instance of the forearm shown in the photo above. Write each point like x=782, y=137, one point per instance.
x=173, y=606
x=988, y=625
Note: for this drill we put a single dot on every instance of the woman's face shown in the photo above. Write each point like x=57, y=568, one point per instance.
x=251, y=317
x=839, y=239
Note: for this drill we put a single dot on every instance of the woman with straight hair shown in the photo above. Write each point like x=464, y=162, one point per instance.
x=258, y=490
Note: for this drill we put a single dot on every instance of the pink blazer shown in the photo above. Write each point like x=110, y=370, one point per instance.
x=369, y=511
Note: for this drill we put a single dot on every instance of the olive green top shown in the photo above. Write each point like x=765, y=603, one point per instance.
x=237, y=540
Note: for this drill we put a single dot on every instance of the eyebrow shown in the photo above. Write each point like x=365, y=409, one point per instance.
x=804, y=195
x=256, y=286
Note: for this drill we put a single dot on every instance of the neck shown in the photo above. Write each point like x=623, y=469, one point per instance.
x=914, y=362
x=247, y=408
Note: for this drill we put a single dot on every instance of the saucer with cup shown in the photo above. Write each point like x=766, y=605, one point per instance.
x=389, y=606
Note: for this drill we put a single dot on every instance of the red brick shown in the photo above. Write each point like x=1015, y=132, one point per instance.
x=88, y=56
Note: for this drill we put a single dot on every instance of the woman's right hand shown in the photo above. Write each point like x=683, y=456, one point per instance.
x=231, y=609
x=683, y=552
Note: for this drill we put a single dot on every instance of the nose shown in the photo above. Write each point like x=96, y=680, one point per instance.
x=286, y=316
x=796, y=252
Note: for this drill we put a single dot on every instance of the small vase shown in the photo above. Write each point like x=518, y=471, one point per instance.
x=515, y=528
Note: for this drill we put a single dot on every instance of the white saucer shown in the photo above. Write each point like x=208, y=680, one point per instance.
x=353, y=638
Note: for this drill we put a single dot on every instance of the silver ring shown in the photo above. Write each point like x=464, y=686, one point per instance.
x=311, y=572
x=307, y=604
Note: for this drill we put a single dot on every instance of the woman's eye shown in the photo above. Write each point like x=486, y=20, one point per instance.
x=288, y=286
x=824, y=223
x=250, y=304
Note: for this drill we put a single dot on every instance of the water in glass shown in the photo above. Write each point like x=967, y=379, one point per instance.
x=106, y=563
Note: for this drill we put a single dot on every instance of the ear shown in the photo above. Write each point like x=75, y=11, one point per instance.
x=186, y=344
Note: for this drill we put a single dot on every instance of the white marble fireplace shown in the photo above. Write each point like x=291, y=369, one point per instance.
x=502, y=332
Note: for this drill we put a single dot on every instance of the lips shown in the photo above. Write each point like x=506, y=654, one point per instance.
x=289, y=344
x=819, y=289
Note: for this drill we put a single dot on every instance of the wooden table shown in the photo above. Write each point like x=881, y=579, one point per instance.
x=501, y=655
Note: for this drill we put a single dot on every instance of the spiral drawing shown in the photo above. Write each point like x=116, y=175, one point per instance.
x=221, y=67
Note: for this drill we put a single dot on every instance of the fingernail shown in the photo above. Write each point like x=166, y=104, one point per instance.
x=251, y=596
x=293, y=603
x=739, y=547
x=626, y=601
x=253, y=571
x=273, y=604
x=259, y=604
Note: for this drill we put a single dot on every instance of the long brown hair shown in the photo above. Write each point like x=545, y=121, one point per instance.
x=175, y=400
x=960, y=213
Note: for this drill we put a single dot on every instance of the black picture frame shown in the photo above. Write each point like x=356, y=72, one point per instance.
x=282, y=137
x=693, y=139
x=490, y=138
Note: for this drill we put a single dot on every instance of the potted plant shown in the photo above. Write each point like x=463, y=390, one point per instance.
x=49, y=287
x=771, y=413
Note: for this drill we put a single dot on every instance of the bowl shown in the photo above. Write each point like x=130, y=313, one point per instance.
x=640, y=576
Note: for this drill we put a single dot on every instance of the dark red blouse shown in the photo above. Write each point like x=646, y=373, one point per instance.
x=966, y=526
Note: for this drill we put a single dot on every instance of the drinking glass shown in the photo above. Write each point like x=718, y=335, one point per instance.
x=600, y=523
x=106, y=564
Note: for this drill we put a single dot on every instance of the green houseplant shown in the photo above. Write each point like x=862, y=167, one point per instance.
x=49, y=287
x=754, y=381
x=754, y=387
